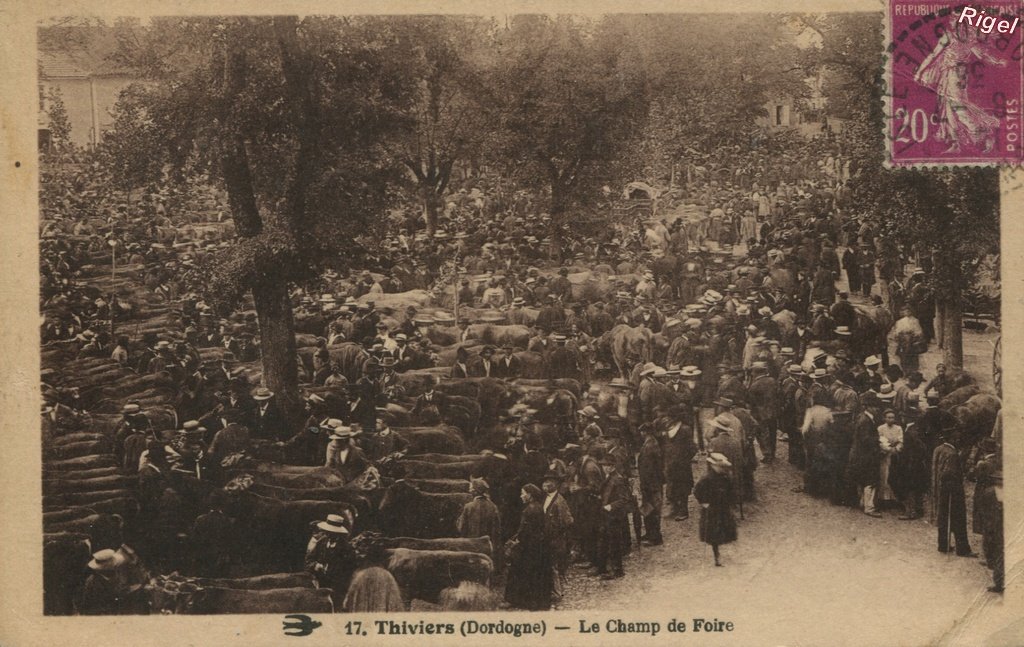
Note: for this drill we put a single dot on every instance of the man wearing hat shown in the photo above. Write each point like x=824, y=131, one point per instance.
x=558, y=523
x=949, y=501
x=990, y=518
x=615, y=504
x=481, y=518
x=405, y=357
x=585, y=493
x=382, y=442
x=726, y=440
x=651, y=473
x=678, y=451
x=562, y=363
x=589, y=427
x=763, y=395
x=483, y=364
x=342, y=452
x=268, y=420
x=509, y=366
x=863, y=467
x=329, y=556
x=114, y=585
x=551, y=315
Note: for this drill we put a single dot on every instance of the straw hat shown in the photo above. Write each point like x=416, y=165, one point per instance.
x=262, y=393
x=335, y=523
x=106, y=560
x=718, y=460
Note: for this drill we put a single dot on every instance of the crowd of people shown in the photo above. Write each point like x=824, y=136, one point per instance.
x=658, y=344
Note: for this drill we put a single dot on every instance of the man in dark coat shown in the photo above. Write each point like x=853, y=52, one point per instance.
x=480, y=518
x=508, y=367
x=763, y=394
x=212, y=538
x=329, y=556
x=615, y=503
x=991, y=517
x=865, y=455
x=562, y=362
x=678, y=452
x=950, y=504
x=558, y=523
x=342, y=452
x=651, y=471
x=551, y=316
x=268, y=420
x=586, y=495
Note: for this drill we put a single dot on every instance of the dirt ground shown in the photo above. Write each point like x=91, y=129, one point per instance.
x=805, y=572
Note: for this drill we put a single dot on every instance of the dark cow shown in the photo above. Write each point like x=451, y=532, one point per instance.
x=480, y=545
x=62, y=486
x=81, y=463
x=442, y=439
x=65, y=568
x=82, y=498
x=66, y=514
x=424, y=574
x=79, y=449
x=104, y=530
x=79, y=475
x=280, y=529
x=405, y=511
x=356, y=498
x=256, y=582
x=440, y=485
x=194, y=600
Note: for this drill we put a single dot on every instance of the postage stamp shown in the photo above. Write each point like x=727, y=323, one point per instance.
x=953, y=83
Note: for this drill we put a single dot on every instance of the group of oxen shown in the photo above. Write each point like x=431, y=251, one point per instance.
x=409, y=512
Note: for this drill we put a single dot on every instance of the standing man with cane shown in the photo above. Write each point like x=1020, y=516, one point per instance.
x=949, y=502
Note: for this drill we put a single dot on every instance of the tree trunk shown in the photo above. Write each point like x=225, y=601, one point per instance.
x=940, y=325
x=952, y=332
x=277, y=343
x=431, y=207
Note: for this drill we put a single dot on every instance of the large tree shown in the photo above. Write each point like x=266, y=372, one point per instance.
x=569, y=98
x=290, y=115
x=444, y=60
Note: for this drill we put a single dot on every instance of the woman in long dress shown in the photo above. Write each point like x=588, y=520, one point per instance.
x=529, y=582
x=716, y=496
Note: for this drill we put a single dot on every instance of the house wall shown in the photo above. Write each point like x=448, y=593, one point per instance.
x=88, y=102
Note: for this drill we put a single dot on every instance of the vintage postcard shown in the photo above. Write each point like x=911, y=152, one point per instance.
x=560, y=323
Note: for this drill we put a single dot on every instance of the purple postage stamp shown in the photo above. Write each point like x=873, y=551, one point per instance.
x=953, y=83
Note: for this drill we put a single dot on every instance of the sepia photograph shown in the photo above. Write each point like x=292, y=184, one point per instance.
x=697, y=314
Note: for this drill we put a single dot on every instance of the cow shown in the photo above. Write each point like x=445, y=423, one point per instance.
x=293, y=476
x=65, y=514
x=480, y=545
x=79, y=475
x=440, y=485
x=83, y=498
x=959, y=396
x=256, y=582
x=62, y=486
x=625, y=342
x=356, y=498
x=280, y=528
x=79, y=449
x=497, y=335
x=976, y=417
x=424, y=574
x=81, y=463
x=104, y=530
x=77, y=437
x=444, y=439
x=406, y=511
x=567, y=384
x=65, y=568
x=195, y=600
x=415, y=382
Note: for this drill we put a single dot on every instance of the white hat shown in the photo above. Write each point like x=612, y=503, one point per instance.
x=650, y=368
x=334, y=523
x=873, y=360
x=106, y=560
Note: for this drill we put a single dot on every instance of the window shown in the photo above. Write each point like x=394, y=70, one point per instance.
x=778, y=114
x=42, y=98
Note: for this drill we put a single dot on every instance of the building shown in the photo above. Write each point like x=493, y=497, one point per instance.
x=89, y=88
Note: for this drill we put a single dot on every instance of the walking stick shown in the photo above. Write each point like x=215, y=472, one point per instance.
x=949, y=523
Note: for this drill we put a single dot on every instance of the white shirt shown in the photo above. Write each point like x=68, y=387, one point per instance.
x=549, y=499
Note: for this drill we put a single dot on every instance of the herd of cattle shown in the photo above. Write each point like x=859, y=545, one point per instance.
x=409, y=509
